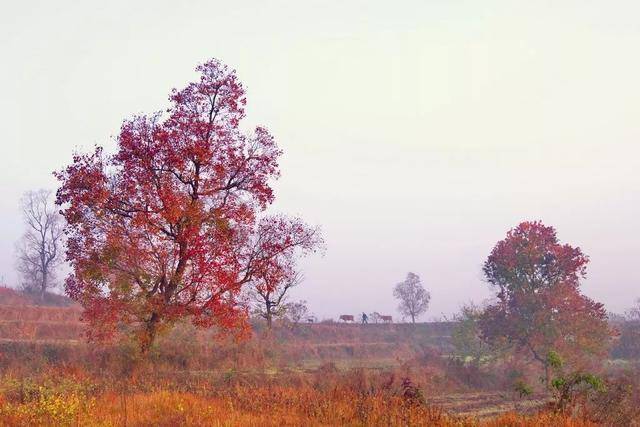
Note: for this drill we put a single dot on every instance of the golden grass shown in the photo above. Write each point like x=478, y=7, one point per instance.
x=244, y=406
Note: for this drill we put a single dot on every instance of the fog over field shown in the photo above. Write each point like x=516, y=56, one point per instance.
x=416, y=134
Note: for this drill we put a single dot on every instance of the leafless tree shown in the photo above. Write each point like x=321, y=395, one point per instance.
x=271, y=299
x=39, y=251
x=297, y=311
x=413, y=297
x=375, y=317
x=633, y=313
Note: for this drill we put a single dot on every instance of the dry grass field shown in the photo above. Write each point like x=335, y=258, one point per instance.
x=306, y=374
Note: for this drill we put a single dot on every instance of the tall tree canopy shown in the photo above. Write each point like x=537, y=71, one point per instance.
x=539, y=305
x=171, y=225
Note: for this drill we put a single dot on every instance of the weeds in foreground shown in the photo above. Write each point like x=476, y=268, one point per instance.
x=351, y=400
x=267, y=407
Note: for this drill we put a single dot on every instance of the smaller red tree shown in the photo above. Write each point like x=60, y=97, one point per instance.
x=276, y=271
x=539, y=307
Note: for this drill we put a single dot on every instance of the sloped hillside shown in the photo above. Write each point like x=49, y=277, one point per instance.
x=27, y=317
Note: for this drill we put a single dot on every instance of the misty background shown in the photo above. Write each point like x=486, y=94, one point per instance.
x=415, y=133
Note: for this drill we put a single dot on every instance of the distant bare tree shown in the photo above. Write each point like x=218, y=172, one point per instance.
x=414, y=298
x=634, y=312
x=375, y=317
x=271, y=298
x=297, y=311
x=39, y=251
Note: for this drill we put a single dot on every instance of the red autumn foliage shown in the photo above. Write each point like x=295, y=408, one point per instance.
x=539, y=306
x=172, y=224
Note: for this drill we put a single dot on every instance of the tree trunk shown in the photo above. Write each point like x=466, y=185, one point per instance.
x=43, y=267
x=43, y=285
x=413, y=318
x=269, y=314
x=545, y=364
x=547, y=376
x=149, y=334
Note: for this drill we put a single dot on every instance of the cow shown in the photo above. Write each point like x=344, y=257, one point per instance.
x=386, y=319
x=346, y=317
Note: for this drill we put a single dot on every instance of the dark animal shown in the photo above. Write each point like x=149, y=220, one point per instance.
x=346, y=317
x=386, y=319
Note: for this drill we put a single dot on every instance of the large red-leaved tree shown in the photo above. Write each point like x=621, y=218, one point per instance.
x=172, y=224
x=539, y=307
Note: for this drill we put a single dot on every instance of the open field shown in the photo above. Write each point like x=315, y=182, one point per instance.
x=311, y=374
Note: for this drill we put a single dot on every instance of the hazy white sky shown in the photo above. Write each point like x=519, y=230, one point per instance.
x=416, y=133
